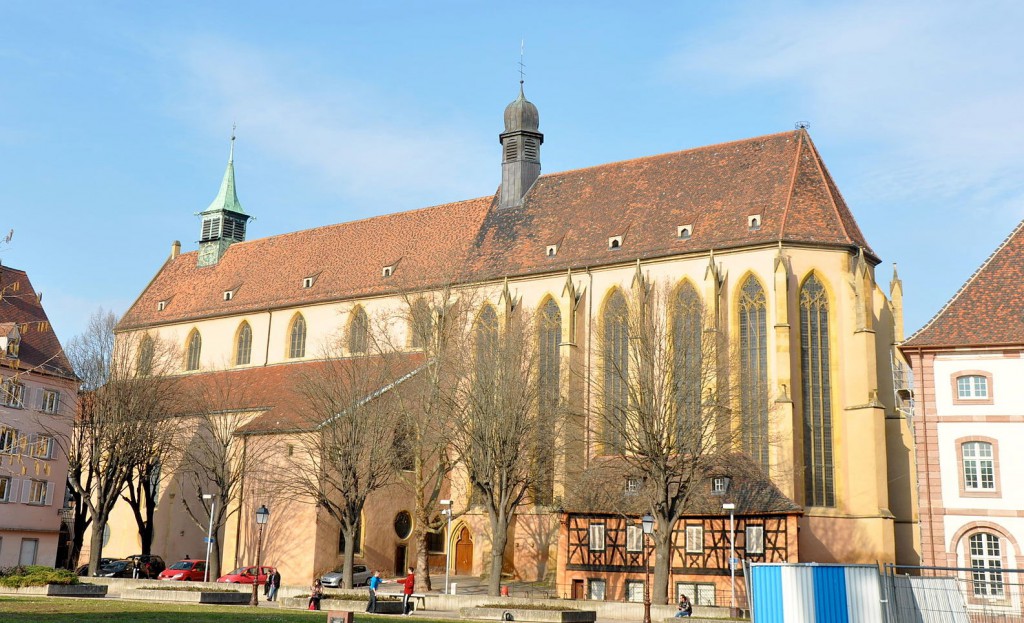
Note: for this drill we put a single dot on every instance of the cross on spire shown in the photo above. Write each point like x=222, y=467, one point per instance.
x=522, y=67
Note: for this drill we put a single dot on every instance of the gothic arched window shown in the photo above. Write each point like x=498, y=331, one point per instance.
x=687, y=365
x=421, y=324
x=486, y=340
x=297, y=338
x=193, y=350
x=754, y=370
x=358, y=331
x=816, y=379
x=616, y=371
x=144, y=361
x=243, y=345
x=549, y=338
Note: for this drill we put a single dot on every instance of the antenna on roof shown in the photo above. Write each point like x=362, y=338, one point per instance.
x=802, y=125
x=522, y=74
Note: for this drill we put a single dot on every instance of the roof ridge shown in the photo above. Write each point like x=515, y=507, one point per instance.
x=668, y=153
x=1013, y=234
x=792, y=187
x=820, y=166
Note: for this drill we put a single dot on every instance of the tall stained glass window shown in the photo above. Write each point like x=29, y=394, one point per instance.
x=816, y=379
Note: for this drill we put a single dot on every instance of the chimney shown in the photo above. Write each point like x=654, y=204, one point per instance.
x=175, y=249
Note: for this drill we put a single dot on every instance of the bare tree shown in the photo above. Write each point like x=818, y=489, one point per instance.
x=214, y=458
x=437, y=327
x=495, y=431
x=346, y=442
x=121, y=403
x=662, y=409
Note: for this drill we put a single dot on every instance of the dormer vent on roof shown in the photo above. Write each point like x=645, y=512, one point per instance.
x=684, y=231
x=552, y=250
x=615, y=242
x=520, y=149
x=754, y=222
x=307, y=282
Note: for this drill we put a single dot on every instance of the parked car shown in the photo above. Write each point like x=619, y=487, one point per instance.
x=123, y=568
x=185, y=571
x=149, y=565
x=360, y=576
x=245, y=575
x=84, y=569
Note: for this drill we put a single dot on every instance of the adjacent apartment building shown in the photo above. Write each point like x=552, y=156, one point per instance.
x=969, y=419
x=38, y=391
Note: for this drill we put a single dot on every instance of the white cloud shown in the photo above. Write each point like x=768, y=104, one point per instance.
x=937, y=88
x=354, y=139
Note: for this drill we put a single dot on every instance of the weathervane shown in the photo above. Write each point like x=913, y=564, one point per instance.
x=522, y=67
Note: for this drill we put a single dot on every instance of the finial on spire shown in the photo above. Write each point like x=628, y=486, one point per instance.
x=522, y=67
x=231, y=153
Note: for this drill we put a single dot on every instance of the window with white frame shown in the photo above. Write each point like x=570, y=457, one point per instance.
x=755, y=540
x=40, y=446
x=634, y=484
x=694, y=539
x=634, y=539
x=37, y=492
x=13, y=394
x=979, y=466
x=8, y=440
x=971, y=387
x=597, y=537
x=50, y=402
x=986, y=565
x=720, y=485
x=596, y=590
x=698, y=594
x=635, y=591
x=6, y=489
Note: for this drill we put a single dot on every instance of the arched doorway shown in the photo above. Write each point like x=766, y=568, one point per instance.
x=464, y=553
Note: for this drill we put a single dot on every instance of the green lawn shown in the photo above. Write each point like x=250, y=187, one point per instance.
x=52, y=609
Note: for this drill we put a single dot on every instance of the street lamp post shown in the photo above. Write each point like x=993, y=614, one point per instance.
x=209, y=536
x=262, y=515
x=648, y=525
x=732, y=555
x=447, y=542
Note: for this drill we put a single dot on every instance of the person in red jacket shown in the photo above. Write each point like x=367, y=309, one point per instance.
x=409, y=583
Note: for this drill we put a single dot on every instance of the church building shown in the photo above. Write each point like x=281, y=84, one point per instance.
x=755, y=230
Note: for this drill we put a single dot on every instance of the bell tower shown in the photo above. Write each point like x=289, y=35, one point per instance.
x=520, y=150
x=224, y=221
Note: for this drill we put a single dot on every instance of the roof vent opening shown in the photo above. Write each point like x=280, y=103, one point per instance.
x=615, y=242
x=552, y=250
x=229, y=294
x=387, y=271
x=754, y=222
x=161, y=305
x=307, y=282
x=684, y=231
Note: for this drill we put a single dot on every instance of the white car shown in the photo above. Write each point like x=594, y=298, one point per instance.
x=360, y=576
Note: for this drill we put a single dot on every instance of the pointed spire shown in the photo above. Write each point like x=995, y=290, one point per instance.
x=227, y=198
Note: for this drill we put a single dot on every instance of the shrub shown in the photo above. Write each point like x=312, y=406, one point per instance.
x=35, y=575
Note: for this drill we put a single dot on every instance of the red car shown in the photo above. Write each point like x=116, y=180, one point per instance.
x=185, y=570
x=246, y=575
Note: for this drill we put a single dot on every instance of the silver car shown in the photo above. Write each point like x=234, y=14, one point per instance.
x=360, y=576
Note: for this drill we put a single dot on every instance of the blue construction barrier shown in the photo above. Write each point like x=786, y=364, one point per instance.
x=812, y=593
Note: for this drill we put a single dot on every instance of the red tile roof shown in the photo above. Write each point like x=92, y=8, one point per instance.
x=276, y=392
x=715, y=189
x=40, y=349
x=988, y=310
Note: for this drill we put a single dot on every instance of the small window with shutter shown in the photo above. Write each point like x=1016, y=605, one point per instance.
x=597, y=537
x=694, y=539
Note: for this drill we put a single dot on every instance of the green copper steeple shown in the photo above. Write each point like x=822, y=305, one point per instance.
x=224, y=221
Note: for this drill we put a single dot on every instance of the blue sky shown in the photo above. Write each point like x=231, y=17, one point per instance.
x=115, y=117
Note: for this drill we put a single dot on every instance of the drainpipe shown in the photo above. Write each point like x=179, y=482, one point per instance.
x=266, y=353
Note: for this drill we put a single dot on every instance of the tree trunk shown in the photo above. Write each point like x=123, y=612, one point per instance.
x=422, y=558
x=662, y=556
x=499, y=539
x=78, y=537
x=96, y=544
x=213, y=564
x=350, y=553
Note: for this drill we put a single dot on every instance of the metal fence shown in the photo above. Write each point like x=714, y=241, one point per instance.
x=952, y=594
